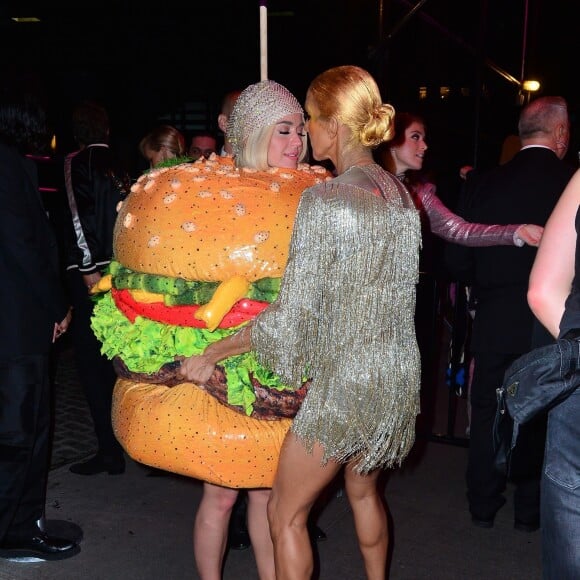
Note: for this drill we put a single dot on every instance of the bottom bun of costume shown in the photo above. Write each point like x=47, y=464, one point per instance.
x=185, y=430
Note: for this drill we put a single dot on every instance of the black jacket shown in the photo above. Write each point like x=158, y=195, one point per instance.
x=31, y=295
x=95, y=186
x=524, y=190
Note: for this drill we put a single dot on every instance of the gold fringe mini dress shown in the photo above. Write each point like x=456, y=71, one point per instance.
x=344, y=318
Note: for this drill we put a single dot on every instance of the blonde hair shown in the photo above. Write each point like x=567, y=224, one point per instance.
x=254, y=152
x=350, y=95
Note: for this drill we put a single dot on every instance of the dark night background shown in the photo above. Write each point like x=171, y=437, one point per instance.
x=174, y=62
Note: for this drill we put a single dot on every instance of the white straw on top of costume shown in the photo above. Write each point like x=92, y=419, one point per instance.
x=263, y=40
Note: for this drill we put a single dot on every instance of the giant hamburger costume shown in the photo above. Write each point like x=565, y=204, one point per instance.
x=199, y=251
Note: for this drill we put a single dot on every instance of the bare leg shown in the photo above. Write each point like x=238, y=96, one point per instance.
x=299, y=480
x=370, y=520
x=210, y=531
x=259, y=531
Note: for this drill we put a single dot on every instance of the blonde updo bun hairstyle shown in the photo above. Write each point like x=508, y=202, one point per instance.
x=350, y=95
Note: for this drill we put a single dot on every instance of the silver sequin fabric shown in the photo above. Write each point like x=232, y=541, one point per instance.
x=345, y=319
x=449, y=226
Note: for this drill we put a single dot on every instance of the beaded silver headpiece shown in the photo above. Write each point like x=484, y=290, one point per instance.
x=258, y=106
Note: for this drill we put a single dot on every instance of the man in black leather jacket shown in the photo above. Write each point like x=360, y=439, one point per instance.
x=95, y=186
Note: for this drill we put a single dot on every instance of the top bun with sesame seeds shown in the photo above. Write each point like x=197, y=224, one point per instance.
x=210, y=221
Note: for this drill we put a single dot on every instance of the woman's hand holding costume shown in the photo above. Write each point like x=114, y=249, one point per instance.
x=199, y=368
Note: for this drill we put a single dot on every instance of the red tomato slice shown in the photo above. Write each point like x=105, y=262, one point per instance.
x=183, y=315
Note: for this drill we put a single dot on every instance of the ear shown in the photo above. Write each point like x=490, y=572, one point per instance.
x=557, y=132
x=222, y=122
x=562, y=131
x=332, y=127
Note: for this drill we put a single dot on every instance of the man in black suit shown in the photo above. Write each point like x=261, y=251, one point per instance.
x=523, y=190
x=34, y=314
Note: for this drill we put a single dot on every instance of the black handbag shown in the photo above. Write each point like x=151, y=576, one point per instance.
x=533, y=383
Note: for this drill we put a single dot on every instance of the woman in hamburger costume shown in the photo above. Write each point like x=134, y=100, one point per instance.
x=200, y=249
x=344, y=318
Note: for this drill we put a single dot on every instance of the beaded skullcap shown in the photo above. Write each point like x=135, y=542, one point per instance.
x=259, y=105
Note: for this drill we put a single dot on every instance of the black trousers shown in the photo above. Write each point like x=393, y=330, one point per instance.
x=485, y=485
x=25, y=422
x=96, y=372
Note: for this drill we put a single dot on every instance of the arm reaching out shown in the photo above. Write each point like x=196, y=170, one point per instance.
x=453, y=228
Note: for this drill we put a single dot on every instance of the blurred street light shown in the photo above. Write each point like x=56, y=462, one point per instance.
x=530, y=86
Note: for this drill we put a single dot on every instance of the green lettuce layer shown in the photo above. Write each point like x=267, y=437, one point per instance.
x=146, y=345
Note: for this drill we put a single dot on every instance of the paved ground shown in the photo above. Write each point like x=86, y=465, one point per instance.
x=138, y=527
x=74, y=436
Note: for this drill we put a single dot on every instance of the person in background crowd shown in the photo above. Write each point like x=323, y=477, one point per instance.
x=162, y=143
x=228, y=103
x=34, y=315
x=525, y=189
x=95, y=186
x=404, y=155
x=360, y=230
x=203, y=144
x=554, y=297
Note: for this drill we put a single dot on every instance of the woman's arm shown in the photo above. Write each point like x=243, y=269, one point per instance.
x=199, y=369
x=553, y=270
x=452, y=228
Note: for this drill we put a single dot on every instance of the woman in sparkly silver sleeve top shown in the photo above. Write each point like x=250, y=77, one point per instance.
x=344, y=318
x=405, y=154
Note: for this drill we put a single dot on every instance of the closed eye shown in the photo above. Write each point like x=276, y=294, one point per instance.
x=287, y=128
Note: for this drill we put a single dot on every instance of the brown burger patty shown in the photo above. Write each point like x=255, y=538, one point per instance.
x=270, y=404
